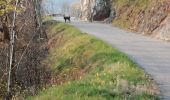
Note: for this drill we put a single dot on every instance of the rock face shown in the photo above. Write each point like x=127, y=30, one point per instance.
x=102, y=9
x=149, y=17
x=86, y=9
x=163, y=31
x=99, y=9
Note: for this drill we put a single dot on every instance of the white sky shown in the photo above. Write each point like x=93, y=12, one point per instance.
x=54, y=6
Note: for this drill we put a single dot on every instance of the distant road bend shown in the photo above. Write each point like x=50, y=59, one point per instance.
x=151, y=54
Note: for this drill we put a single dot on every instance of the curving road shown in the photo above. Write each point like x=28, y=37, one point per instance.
x=153, y=55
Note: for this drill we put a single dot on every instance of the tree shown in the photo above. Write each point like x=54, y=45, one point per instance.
x=23, y=32
x=6, y=8
x=76, y=10
x=65, y=8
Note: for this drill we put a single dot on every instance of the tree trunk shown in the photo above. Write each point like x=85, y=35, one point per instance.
x=5, y=28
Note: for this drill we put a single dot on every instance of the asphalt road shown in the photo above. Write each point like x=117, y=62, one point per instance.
x=151, y=54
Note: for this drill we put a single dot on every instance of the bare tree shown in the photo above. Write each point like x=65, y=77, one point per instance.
x=22, y=27
x=76, y=10
x=65, y=8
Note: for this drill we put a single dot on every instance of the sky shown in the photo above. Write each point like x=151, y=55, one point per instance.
x=56, y=8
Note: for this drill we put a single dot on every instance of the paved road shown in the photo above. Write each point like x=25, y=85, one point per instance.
x=153, y=55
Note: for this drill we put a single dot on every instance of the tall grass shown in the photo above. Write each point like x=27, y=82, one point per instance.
x=85, y=68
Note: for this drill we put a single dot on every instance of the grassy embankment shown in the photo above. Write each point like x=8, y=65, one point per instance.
x=85, y=68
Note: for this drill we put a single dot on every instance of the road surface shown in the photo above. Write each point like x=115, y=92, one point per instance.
x=151, y=54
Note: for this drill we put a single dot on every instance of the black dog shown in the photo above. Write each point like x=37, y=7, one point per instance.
x=67, y=18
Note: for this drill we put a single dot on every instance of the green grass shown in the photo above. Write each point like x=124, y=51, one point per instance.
x=85, y=68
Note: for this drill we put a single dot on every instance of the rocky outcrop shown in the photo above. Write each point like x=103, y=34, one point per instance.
x=163, y=31
x=86, y=10
x=99, y=9
x=102, y=9
x=149, y=17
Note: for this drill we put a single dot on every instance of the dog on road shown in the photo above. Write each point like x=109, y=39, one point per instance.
x=67, y=18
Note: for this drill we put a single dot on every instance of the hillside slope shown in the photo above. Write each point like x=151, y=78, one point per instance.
x=150, y=17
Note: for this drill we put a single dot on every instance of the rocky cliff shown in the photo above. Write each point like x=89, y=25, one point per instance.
x=86, y=6
x=98, y=9
x=150, y=17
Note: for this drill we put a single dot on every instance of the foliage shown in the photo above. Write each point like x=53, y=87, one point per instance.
x=7, y=6
x=85, y=68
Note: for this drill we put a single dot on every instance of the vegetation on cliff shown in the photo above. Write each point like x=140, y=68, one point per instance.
x=144, y=16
